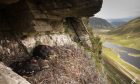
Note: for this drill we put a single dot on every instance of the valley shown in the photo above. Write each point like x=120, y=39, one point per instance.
x=121, y=50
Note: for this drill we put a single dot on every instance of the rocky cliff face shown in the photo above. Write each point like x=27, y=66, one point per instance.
x=63, y=8
x=25, y=24
x=45, y=15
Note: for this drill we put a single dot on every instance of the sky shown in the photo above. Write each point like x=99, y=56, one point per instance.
x=114, y=9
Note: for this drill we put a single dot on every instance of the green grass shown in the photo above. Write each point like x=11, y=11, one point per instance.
x=127, y=35
x=123, y=40
x=132, y=27
x=134, y=55
x=114, y=75
x=121, y=65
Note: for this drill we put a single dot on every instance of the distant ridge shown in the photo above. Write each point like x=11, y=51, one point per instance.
x=120, y=21
x=99, y=23
x=132, y=27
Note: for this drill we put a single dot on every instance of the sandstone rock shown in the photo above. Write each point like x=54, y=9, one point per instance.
x=7, y=76
x=51, y=40
x=70, y=8
x=65, y=8
x=47, y=16
x=86, y=41
x=10, y=49
x=44, y=15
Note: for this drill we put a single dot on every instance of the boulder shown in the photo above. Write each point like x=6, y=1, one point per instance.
x=7, y=76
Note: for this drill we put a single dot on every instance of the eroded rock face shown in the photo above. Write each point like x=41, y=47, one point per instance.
x=10, y=49
x=25, y=24
x=44, y=15
x=70, y=8
x=7, y=76
x=64, y=8
x=67, y=60
x=14, y=49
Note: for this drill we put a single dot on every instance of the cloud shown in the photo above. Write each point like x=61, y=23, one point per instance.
x=119, y=9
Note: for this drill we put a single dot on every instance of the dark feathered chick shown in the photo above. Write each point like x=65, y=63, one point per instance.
x=27, y=68
x=42, y=52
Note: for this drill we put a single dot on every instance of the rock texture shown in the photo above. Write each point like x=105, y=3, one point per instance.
x=69, y=63
x=10, y=49
x=63, y=8
x=45, y=15
x=25, y=24
x=51, y=40
x=7, y=76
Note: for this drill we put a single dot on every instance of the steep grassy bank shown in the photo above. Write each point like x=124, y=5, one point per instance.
x=125, y=68
x=123, y=40
x=127, y=35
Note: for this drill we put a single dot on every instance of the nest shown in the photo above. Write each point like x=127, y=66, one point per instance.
x=67, y=65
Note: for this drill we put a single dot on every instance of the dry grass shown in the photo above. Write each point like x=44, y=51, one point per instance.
x=69, y=65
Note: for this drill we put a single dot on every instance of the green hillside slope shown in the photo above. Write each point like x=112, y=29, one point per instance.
x=131, y=28
x=127, y=35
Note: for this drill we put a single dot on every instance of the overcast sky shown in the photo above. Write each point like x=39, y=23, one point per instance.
x=113, y=9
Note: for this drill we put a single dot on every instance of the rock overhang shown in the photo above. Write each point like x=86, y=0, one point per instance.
x=63, y=8
x=43, y=15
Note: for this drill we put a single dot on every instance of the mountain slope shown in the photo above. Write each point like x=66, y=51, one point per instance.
x=127, y=35
x=120, y=21
x=99, y=23
x=132, y=27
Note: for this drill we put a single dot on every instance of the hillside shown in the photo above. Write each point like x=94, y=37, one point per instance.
x=127, y=35
x=131, y=28
x=99, y=23
x=120, y=21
